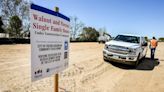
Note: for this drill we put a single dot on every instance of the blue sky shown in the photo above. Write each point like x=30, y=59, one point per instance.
x=142, y=17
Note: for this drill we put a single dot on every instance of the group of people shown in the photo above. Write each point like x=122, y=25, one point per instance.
x=153, y=45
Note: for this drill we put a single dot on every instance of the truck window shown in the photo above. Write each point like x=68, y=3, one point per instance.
x=125, y=38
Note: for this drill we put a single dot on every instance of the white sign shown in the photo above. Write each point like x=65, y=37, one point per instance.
x=49, y=33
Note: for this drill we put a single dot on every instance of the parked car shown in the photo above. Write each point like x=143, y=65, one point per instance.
x=126, y=49
x=104, y=38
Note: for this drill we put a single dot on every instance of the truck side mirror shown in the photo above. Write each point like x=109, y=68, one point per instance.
x=144, y=44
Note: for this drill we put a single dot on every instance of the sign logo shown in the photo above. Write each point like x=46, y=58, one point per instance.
x=38, y=73
x=66, y=45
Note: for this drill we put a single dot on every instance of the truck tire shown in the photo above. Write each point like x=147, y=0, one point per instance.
x=138, y=59
x=144, y=57
x=105, y=59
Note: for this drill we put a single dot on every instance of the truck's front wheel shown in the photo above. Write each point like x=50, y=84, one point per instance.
x=105, y=59
x=138, y=59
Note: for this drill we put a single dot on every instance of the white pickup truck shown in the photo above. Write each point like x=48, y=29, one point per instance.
x=126, y=49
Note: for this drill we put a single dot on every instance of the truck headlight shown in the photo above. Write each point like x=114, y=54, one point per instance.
x=106, y=46
x=132, y=51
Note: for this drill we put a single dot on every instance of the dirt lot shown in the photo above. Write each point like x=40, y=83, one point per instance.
x=87, y=72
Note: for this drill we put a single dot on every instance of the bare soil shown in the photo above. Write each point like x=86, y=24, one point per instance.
x=87, y=72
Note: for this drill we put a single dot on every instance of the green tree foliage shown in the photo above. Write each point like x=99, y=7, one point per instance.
x=15, y=27
x=89, y=34
x=161, y=39
x=146, y=38
x=10, y=8
x=1, y=24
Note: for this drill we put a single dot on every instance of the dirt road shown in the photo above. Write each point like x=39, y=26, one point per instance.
x=87, y=72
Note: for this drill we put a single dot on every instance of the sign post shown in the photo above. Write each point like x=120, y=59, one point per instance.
x=56, y=83
x=56, y=77
x=49, y=34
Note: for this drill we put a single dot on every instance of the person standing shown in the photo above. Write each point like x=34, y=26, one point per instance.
x=153, y=45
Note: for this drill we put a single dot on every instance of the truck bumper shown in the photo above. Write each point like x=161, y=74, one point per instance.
x=120, y=58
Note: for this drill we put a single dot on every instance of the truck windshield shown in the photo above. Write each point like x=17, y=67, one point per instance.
x=125, y=38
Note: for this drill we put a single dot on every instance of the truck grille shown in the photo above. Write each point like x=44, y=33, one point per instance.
x=118, y=49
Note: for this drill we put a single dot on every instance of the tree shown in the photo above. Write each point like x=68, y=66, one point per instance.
x=102, y=31
x=161, y=39
x=1, y=24
x=14, y=7
x=89, y=34
x=9, y=8
x=76, y=27
x=15, y=27
x=146, y=38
